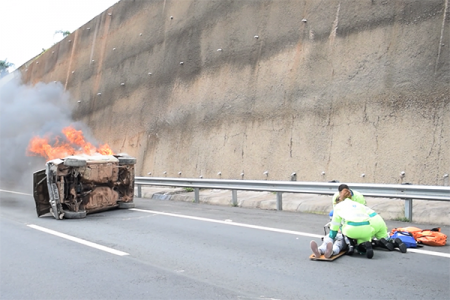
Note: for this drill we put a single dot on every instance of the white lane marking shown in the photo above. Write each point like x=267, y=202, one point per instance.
x=426, y=252
x=19, y=193
x=78, y=240
x=229, y=223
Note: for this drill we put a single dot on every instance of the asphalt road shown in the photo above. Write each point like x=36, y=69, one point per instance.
x=179, y=250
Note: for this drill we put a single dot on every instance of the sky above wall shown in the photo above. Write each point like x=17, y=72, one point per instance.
x=28, y=26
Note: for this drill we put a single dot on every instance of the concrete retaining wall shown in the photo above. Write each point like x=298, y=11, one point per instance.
x=326, y=89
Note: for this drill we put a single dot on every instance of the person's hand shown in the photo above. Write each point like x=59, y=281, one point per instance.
x=344, y=194
x=332, y=234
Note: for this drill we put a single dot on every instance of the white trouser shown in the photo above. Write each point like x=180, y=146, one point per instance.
x=338, y=245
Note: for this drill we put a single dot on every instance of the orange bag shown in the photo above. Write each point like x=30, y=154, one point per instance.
x=432, y=237
x=413, y=230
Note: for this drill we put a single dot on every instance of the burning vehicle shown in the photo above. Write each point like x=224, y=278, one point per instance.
x=77, y=185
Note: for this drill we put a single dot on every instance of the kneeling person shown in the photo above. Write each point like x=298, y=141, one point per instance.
x=355, y=224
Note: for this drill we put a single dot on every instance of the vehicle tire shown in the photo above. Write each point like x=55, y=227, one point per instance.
x=73, y=162
x=126, y=205
x=74, y=214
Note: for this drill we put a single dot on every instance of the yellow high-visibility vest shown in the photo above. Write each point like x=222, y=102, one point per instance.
x=350, y=212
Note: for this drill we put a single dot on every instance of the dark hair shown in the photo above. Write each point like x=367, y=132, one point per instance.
x=342, y=187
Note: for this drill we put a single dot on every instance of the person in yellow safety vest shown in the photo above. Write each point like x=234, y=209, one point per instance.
x=345, y=192
x=354, y=219
x=381, y=233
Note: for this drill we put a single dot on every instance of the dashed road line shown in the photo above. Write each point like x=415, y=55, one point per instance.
x=78, y=240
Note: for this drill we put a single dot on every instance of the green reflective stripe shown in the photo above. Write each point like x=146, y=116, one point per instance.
x=358, y=223
x=373, y=214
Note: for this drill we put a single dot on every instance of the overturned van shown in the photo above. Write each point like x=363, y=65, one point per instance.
x=78, y=185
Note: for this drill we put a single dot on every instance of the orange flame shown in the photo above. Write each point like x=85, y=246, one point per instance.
x=76, y=144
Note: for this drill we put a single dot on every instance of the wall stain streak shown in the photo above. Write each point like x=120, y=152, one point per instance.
x=440, y=45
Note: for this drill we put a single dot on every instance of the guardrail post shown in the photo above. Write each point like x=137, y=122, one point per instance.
x=408, y=209
x=139, y=194
x=408, y=205
x=234, y=197
x=197, y=195
x=279, y=201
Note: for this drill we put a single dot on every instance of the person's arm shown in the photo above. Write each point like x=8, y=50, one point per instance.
x=358, y=197
x=335, y=197
x=344, y=194
x=335, y=224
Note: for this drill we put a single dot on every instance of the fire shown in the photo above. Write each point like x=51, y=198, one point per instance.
x=74, y=144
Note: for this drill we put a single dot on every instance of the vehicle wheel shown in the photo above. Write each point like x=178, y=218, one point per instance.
x=74, y=214
x=126, y=205
x=73, y=162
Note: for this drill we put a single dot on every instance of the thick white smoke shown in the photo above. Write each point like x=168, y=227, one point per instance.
x=27, y=111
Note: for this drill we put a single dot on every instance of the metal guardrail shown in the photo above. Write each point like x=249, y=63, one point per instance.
x=408, y=192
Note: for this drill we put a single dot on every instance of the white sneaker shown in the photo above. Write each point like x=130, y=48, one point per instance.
x=315, y=249
x=329, y=250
